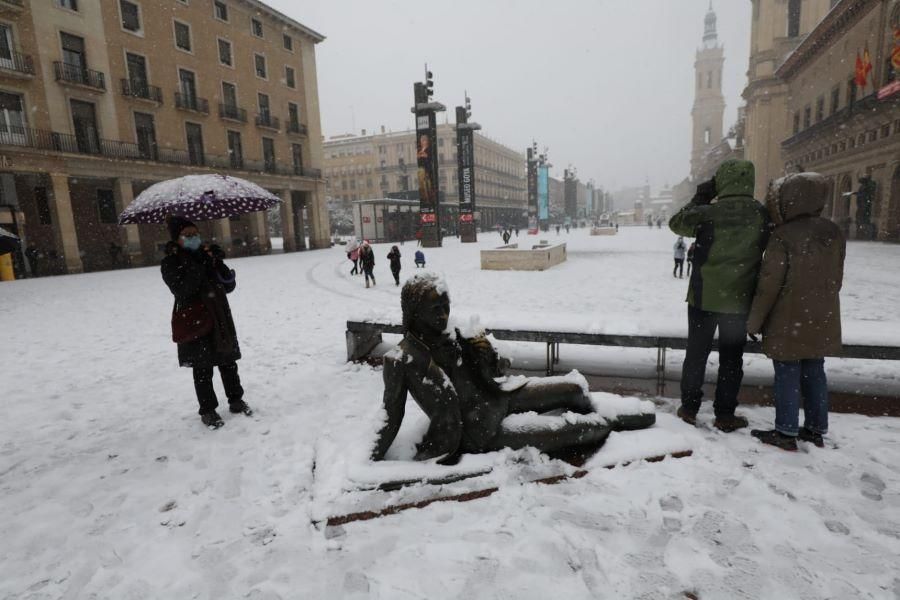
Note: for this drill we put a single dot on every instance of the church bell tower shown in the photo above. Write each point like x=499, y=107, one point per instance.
x=709, y=103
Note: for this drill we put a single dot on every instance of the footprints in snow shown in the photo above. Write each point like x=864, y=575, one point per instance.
x=871, y=486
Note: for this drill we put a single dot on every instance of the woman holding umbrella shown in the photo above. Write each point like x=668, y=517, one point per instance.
x=201, y=318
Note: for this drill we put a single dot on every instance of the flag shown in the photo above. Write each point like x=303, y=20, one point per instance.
x=860, y=78
x=895, y=53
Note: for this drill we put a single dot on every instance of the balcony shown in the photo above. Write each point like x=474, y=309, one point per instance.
x=141, y=90
x=18, y=65
x=52, y=141
x=296, y=128
x=232, y=113
x=75, y=75
x=267, y=121
x=12, y=6
x=191, y=103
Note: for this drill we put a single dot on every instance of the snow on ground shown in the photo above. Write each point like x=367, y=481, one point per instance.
x=111, y=488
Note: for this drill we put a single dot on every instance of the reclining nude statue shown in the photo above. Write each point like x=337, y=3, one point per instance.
x=454, y=380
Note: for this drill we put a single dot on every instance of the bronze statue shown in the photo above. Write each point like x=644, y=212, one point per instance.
x=453, y=380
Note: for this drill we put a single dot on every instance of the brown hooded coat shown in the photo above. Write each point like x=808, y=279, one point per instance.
x=797, y=305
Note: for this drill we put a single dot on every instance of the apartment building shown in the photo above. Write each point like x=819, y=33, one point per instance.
x=102, y=98
x=370, y=166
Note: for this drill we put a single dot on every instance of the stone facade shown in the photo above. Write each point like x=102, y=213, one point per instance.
x=369, y=166
x=120, y=94
x=847, y=132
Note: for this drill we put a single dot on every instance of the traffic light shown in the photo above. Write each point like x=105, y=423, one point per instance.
x=429, y=83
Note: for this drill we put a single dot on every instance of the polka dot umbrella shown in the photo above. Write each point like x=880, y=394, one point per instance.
x=198, y=198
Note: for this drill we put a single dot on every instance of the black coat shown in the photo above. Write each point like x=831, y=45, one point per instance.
x=368, y=259
x=193, y=275
x=394, y=257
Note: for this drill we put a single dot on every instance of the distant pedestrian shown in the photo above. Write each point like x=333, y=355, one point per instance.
x=517, y=232
x=797, y=308
x=353, y=256
x=557, y=230
x=568, y=227
x=690, y=257
x=731, y=235
x=419, y=235
x=680, y=251
x=367, y=259
x=420, y=259
x=33, y=254
x=506, y=236
x=394, y=257
x=202, y=325
x=617, y=228
x=115, y=255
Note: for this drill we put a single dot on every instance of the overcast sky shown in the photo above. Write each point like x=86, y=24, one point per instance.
x=607, y=85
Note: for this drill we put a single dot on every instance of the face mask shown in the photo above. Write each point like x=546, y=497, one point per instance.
x=191, y=242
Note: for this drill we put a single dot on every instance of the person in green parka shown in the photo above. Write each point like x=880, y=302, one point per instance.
x=731, y=230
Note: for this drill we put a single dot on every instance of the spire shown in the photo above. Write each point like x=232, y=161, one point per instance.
x=710, y=37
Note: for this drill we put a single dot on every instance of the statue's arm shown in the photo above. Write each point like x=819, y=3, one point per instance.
x=395, y=390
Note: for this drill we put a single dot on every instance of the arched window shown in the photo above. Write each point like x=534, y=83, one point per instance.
x=794, y=7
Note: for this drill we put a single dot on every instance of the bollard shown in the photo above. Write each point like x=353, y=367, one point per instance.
x=6, y=268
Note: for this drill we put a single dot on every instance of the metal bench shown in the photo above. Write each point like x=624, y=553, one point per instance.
x=364, y=336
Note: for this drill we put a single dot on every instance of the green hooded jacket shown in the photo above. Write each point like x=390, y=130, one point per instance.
x=731, y=236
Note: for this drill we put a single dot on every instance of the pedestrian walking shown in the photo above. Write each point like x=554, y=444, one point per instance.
x=115, y=255
x=506, y=236
x=690, y=258
x=202, y=324
x=680, y=251
x=33, y=254
x=730, y=237
x=797, y=308
x=353, y=255
x=394, y=257
x=568, y=227
x=517, y=232
x=420, y=259
x=367, y=259
x=419, y=235
x=557, y=230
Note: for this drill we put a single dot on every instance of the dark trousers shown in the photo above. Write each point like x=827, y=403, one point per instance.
x=355, y=269
x=702, y=327
x=203, y=384
x=679, y=268
x=396, y=274
x=369, y=274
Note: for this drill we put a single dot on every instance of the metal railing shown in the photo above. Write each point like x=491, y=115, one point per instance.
x=18, y=62
x=78, y=75
x=89, y=143
x=267, y=120
x=297, y=128
x=190, y=102
x=16, y=3
x=141, y=89
x=230, y=111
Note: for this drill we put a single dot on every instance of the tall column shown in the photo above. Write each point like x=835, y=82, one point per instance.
x=300, y=222
x=64, y=222
x=222, y=231
x=319, y=234
x=259, y=230
x=123, y=194
x=287, y=221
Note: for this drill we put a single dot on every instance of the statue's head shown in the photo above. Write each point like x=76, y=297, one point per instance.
x=426, y=304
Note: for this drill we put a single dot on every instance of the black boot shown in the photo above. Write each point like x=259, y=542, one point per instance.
x=775, y=438
x=212, y=419
x=729, y=424
x=812, y=437
x=684, y=415
x=239, y=406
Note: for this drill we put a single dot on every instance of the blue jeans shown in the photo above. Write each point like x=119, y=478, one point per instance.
x=801, y=379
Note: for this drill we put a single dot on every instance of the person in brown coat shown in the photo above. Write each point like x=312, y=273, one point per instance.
x=797, y=307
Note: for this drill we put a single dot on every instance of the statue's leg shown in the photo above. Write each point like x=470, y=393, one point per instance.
x=549, y=440
x=632, y=422
x=542, y=398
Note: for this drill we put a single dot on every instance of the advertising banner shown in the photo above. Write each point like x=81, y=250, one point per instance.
x=532, y=193
x=543, y=190
x=465, y=154
x=427, y=169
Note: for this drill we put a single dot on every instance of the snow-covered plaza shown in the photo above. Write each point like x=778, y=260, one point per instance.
x=110, y=486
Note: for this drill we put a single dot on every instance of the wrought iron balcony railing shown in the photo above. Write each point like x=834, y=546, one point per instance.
x=18, y=62
x=233, y=112
x=190, y=102
x=268, y=121
x=141, y=89
x=78, y=75
x=297, y=128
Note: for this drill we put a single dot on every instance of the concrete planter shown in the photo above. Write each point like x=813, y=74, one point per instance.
x=510, y=258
